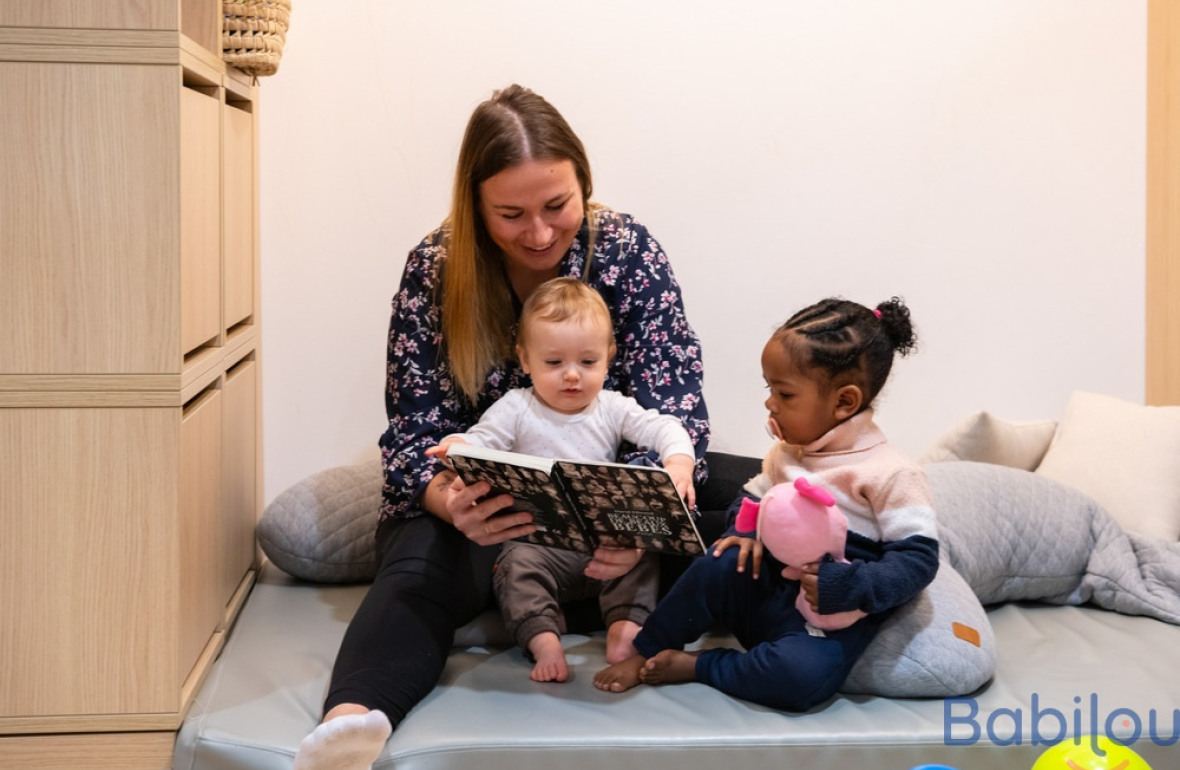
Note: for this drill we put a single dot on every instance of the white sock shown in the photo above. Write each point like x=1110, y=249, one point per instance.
x=350, y=742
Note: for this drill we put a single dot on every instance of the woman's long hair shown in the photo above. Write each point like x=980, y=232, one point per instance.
x=513, y=126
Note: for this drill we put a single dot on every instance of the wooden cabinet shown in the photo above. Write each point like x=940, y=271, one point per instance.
x=129, y=372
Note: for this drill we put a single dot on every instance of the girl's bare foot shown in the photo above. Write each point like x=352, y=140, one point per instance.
x=621, y=676
x=669, y=667
x=619, y=638
x=550, y=666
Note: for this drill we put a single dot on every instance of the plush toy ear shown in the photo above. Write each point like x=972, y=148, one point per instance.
x=747, y=518
x=814, y=492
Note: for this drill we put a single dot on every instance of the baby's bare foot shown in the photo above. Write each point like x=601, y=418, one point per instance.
x=550, y=666
x=669, y=667
x=621, y=676
x=619, y=638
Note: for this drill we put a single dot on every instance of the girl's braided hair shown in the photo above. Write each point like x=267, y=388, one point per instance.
x=850, y=343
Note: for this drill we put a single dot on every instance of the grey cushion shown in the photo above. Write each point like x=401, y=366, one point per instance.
x=1012, y=534
x=938, y=645
x=322, y=528
x=1005, y=534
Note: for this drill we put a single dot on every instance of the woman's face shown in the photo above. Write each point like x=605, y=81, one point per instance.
x=533, y=211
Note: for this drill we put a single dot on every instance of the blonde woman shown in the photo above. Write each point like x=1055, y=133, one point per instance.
x=520, y=215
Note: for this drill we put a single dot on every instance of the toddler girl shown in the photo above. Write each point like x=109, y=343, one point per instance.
x=823, y=369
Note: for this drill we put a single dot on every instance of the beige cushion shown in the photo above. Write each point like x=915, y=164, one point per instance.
x=1124, y=455
x=985, y=438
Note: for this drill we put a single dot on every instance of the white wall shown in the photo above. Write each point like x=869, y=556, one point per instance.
x=982, y=158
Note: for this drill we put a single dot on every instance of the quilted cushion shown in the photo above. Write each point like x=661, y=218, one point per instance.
x=1012, y=534
x=939, y=645
x=321, y=529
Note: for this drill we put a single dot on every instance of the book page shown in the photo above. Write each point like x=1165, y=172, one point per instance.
x=533, y=488
x=631, y=506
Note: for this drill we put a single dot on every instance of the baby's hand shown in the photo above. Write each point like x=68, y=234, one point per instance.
x=749, y=545
x=680, y=468
x=809, y=584
x=440, y=451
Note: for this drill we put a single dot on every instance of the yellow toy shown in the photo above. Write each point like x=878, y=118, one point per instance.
x=1080, y=755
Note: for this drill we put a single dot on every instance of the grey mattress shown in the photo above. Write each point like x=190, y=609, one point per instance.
x=264, y=695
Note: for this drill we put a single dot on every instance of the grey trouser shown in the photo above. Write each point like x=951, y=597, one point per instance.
x=531, y=582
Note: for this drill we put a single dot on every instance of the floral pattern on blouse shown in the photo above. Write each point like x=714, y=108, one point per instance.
x=658, y=359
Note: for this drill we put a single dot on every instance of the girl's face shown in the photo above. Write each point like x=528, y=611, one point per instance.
x=533, y=212
x=802, y=407
x=567, y=361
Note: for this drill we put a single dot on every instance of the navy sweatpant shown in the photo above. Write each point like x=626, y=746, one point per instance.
x=783, y=666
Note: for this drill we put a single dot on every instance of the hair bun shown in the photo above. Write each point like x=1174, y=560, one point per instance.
x=895, y=318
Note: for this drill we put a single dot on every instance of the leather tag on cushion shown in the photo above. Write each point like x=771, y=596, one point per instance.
x=322, y=529
x=1125, y=456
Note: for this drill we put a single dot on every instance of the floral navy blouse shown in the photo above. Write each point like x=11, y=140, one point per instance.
x=658, y=360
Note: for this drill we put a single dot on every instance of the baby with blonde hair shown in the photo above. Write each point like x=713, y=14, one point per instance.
x=564, y=343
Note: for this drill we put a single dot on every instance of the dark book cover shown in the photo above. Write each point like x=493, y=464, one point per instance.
x=579, y=505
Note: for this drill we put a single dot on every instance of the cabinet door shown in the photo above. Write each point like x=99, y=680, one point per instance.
x=87, y=561
x=201, y=606
x=200, y=219
x=238, y=213
x=239, y=474
x=89, y=14
x=88, y=232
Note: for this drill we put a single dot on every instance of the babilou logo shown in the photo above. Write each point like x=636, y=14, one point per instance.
x=1090, y=752
x=1044, y=725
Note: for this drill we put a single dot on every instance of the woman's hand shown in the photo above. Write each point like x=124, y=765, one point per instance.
x=809, y=584
x=750, y=546
x=483, y=521
x=680, y=468
x=609, y=563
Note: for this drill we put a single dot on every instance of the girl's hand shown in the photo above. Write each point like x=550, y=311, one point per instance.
x=680, y=468
x=483, y=521
x=609, y=563
x=809, y=584
x=440, y=451
x=749, y=545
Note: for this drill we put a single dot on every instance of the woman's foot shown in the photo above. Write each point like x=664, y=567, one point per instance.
x=619, y=640
x=669, y=667
x=547, y=651
x=349, y=742
x=621, y=676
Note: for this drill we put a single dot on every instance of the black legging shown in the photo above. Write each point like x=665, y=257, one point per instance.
x=431, y=581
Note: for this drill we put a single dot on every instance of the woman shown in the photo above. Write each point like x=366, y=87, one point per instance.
x=520, y=215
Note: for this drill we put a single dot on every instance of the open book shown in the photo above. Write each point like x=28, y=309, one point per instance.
x=579, y=505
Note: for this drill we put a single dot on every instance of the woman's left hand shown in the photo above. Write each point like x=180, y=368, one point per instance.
x=809, y=584
x=609, y=563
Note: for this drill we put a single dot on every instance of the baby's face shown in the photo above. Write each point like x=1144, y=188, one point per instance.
x=797, y=405
x=567, y=361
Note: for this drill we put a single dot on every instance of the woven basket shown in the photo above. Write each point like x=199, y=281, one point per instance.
x=253, y=34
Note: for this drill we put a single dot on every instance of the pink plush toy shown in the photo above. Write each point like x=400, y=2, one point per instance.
x=800, y=524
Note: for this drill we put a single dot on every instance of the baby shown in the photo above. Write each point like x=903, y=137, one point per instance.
x=565, y=343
